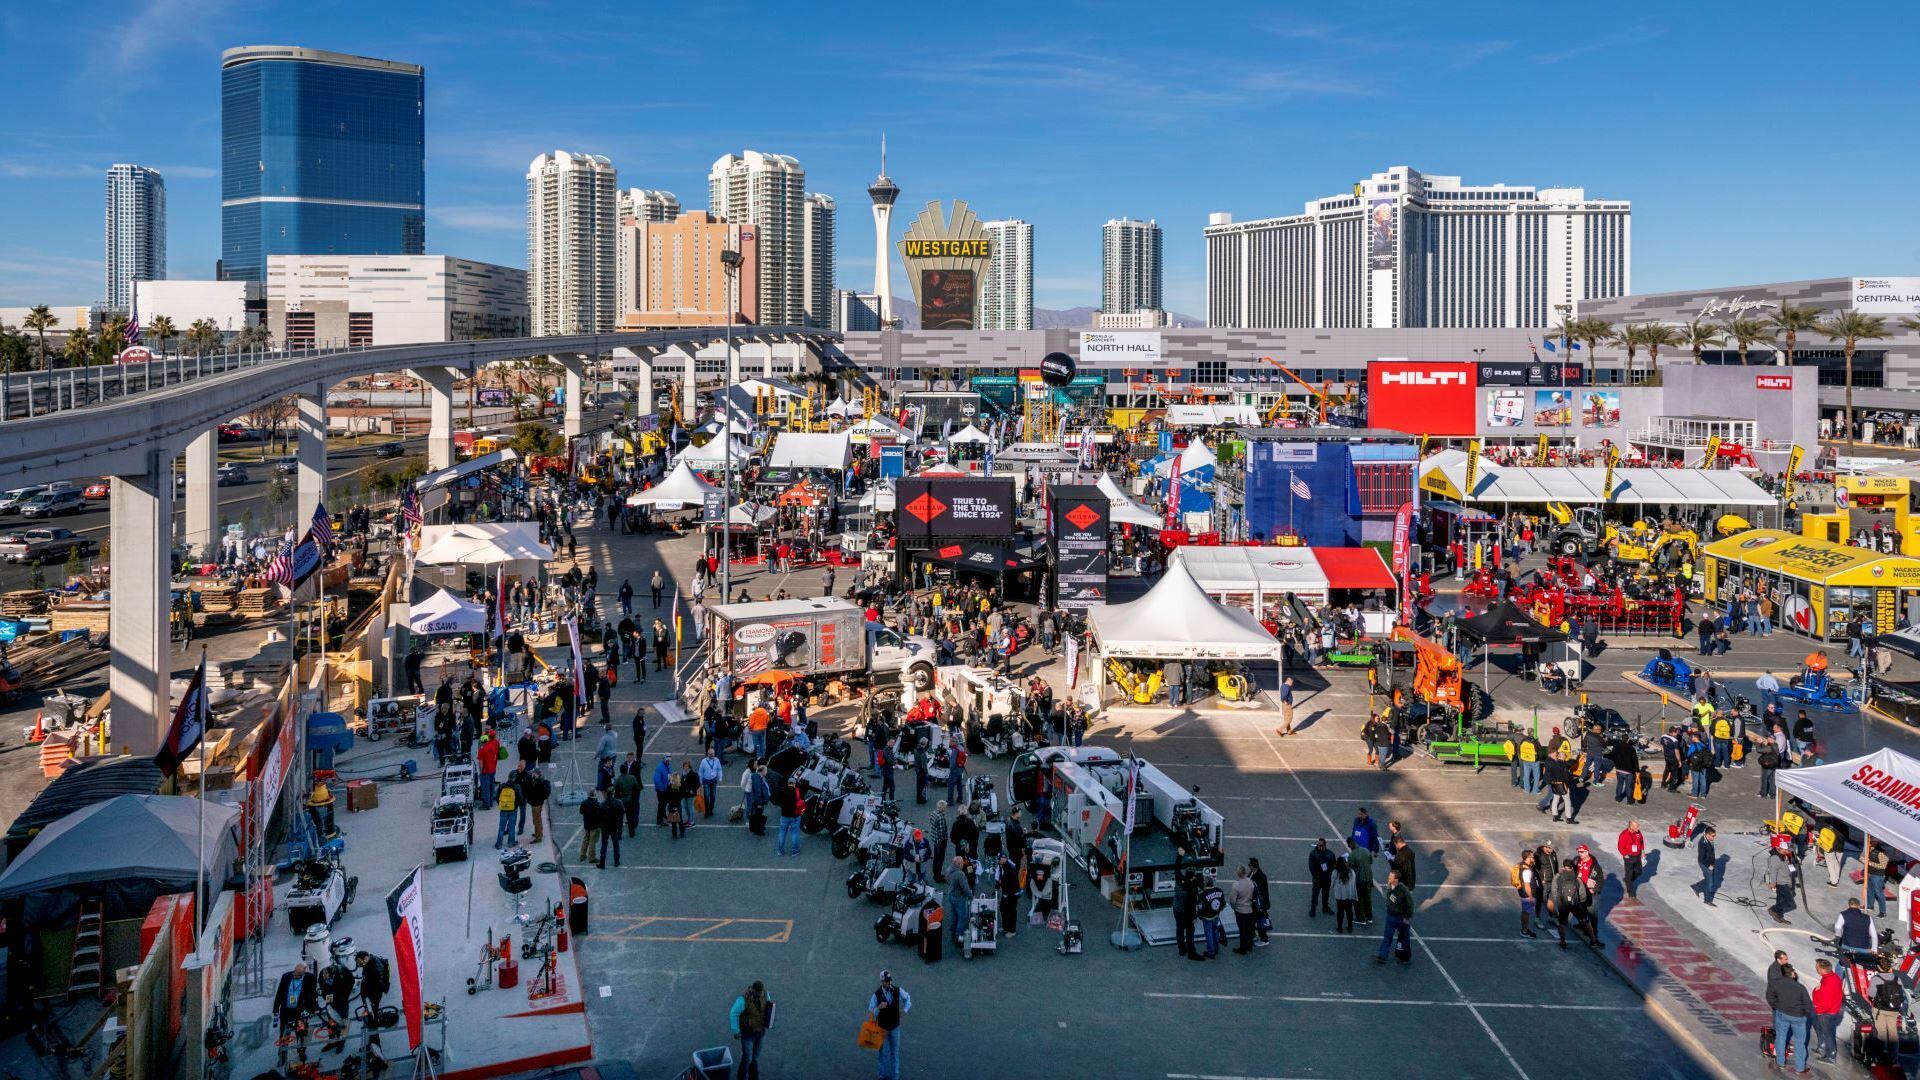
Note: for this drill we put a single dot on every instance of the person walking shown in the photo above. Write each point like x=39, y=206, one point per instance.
x=1344, y=892
x=710, y=773
x=536, y=789
x=626, y=793
x=626, y=597
x=1632, y=845
x=610, y=815
x=1709, y=867
x=887, y=1007
x=1526, y=881
x=1779, y=877
x=1240, y=898
x=1262, y=903
x=1320, y=871
x=750, y=1018
x=656, y=585
x=1398, y=935
x=1286, y=706
x=1361, y=860
x=590, y=823
x=1792, y=1009
x=662, y=790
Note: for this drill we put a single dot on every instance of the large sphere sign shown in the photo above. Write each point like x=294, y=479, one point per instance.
x=1057, y=369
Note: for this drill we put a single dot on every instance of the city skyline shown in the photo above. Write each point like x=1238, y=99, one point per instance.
x=1246, y=133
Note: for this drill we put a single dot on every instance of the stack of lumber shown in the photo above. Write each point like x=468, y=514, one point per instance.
x=256, y=602
x=95, y=616
x=46, y=664
x=19, y=603
x=216, y=598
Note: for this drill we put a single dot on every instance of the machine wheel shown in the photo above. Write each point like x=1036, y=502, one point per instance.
x=842, y=847
x=1569, y=547
x=921, y=676
x=855, y=887
x=880, y=931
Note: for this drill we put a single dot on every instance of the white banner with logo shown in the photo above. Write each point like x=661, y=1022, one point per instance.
x=1886, y=295
x=1132, y=348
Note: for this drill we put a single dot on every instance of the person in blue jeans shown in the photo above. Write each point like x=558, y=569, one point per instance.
x=508, y=832
x=1792, y=1011
x=792, y=803
x=1399, y=929
x=887, y=1007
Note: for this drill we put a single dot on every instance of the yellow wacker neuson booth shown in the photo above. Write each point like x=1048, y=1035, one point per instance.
x=1818, y=586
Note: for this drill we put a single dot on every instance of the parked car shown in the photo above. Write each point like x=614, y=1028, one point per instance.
x=238, y=433
x=41, y=545
x=50, y=503
x=11, y=501
x=230, y=475
x=96, y=492
x=390, y=450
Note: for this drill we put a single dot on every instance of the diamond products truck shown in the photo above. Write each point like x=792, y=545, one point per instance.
x=815, y=636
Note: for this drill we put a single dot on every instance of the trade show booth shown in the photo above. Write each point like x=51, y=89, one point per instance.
x=1176, y=620
x=1821, y=588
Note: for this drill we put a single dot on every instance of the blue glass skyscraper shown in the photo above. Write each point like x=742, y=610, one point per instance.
x=320, y=154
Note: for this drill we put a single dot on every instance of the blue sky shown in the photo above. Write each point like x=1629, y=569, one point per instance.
x=1757, y=142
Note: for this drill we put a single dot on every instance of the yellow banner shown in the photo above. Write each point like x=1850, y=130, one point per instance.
x=1540, y=455
x=1613, y=459
x=1793, y=470
x=1473, y=468
x=1713, y=452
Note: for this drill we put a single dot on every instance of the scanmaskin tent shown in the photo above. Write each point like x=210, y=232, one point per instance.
x=680, y=485
x=1878, y=793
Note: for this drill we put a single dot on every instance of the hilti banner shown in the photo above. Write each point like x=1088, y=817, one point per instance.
x=405, y=906
x=1422, y=398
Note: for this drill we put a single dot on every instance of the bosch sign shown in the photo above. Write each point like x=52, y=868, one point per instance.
x=1422, y=398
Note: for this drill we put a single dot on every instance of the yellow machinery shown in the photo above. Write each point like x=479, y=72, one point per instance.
x=1141, y=689
x=1861, y=502
x=1282, y=406
x=1231, y=684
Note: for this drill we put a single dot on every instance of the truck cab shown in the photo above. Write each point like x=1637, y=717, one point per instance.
x=913, y=657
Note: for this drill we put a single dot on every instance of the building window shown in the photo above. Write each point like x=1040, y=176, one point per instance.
x=1384, y=486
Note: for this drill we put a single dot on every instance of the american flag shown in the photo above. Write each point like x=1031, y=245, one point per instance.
x=280, y=570
x=132, y=332
x=410, y=509
x=1299, y=487
x=323, y=528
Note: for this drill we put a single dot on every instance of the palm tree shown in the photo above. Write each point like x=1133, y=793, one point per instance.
x=1627, y=337
x=254, y=336
x=1591, y=332
x=1793, y=320
x=162, y=330
x=202, y=337
x=1700, y=335
x=1850, y=328
x=40, y=320
x=113, y=333
x=1654, y=336
x=1744, y=332
x=78, y=348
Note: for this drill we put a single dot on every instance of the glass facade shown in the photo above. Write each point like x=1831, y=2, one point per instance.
x=320, y=155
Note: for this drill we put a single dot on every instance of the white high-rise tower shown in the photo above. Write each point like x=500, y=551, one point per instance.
x=136, y=231
x=1006, y=301
x=571, y=246
x=883, y=191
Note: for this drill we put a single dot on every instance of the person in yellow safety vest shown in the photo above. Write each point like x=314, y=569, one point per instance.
x=1529, y=755
x=1703, y=711
x=1827, y=839
x=1722, y=739
x=1686, y=570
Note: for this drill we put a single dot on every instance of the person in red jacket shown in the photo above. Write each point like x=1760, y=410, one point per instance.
x=489, y=755
x=1829, y=999
x=1591, y=875
x=1633, y=849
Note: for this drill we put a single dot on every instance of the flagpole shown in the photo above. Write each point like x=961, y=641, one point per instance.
x=200, y=865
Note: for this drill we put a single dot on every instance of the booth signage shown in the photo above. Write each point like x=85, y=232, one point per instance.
x=1422, y=398
x=1530, y=373
x=1773, y=382
x=955, y=506
x=1135, y=348
x=1080, y=517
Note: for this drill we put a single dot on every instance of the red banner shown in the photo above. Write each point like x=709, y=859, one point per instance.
x=1422, y=398
x=404, y=911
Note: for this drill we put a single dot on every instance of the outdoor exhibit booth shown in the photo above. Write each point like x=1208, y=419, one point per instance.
x=1820, y=588
x=1878, y=795
x=1177, y=620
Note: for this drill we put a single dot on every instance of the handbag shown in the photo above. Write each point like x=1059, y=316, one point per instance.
x=700, y=803
x=872, y=1036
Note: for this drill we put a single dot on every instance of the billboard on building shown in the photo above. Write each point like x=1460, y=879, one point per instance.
x=1138, y=348
x=1506, y=408
x=1422, y=398
x=1552, y=408
x=1380, y=234
x=1887, y=295
x=974, y=507
x=946, y=299
x=1600, y=408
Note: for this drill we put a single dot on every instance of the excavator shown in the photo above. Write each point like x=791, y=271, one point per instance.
x=1658, y=547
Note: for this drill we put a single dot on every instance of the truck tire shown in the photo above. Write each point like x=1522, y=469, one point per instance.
x=921, y=676
x=1569, y=546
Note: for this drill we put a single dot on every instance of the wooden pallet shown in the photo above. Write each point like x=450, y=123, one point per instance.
x=19, y=603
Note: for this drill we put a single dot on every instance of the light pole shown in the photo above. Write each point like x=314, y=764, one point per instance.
x=730, y=265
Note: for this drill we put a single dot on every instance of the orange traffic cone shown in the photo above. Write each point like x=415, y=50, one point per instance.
x=39, y=728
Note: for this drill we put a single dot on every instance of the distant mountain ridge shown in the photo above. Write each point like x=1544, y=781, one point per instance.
x=1073, y=318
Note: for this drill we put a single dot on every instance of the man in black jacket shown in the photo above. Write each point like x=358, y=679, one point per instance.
x=1709, y=867
x=1186, y=903
x=1320, y=869
x=1626, y=765
x=1263, y=902
x=1573, y=900
x=297, y=997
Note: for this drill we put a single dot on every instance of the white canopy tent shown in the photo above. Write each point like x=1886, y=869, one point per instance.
x=738, y=425
x=1122, y=509
x=879, y=497
x=842, y=408
x=872, y=426
x=678, y=487
x=969, y=434
x=515, y=543
x=811, y=450
x=445, y=613
x=1177, y=620
x=1878, y=794
x=1257, y=579
x=713, y=455
x=1445, y=473
x=751, y=514
x=1195, y=456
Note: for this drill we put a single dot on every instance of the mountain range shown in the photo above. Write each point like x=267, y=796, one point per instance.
x=1073, y=318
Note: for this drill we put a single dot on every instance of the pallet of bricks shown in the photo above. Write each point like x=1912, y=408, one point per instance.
x=217, y=603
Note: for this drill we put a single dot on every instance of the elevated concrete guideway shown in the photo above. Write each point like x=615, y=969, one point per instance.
x=132, y=429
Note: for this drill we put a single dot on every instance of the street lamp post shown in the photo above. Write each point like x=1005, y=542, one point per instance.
x=730, y=261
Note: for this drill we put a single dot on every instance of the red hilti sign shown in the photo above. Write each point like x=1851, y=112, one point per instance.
x=1422, y=398
x=1773, y=382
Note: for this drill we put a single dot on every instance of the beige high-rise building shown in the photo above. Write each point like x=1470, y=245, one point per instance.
x=768, y=192
x=631, y=207
x=572, y=217
x=1006, y=298
x=678, y=276
x=816, y=300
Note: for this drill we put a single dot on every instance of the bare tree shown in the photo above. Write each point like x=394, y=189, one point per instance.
x=271, y=418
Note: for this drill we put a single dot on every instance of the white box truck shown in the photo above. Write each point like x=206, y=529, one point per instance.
x=815, y=636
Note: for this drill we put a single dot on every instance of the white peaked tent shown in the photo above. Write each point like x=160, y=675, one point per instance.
x=737, y=425
x=969, y=434
x=445, y=613
x=1122, y=510
x=879, y=497
x=751, y=514
x=842, y=408
x=1195, y=456
x=1177, y=620
x=515, y=543
x=872, y=426
x=678, y=486
x=1879, y=793
x=810, y=450
x=713, y=455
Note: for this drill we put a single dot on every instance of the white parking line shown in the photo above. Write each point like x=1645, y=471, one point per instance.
x=1343, y=999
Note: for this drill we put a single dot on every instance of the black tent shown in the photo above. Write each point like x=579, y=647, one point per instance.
x=89, y=781
x=1506, y=623
x=980, y=558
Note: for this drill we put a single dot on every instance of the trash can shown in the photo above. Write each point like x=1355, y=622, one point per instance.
x=714, y=1063
x=577, y=906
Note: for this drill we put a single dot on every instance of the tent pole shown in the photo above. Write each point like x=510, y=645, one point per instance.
x=1866, y=872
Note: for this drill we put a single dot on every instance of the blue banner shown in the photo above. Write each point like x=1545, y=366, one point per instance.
x=893, y=462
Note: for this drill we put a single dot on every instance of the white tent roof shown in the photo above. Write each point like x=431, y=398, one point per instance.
x=809, y=450
x=1583, y=485
x=1245, y=569
x=482, y=544
x=969, y=434
x=842, y=407
x=1196, y=456
x=678, y=486
x=445, y=613
x=1178, y=620
x=874, y=425
x=713, y=454
x=1122, y=509
x=879, y=497
x=750, y=514
x=1190, y=414
x=466, y=468
x=738, y=424
x=1879, y=793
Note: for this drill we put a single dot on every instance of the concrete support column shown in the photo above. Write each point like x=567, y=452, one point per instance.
x=576, y=367
x=140, y=510
x=203, y=494
x=689, y=399
x=310, y=425
x=766, y=360
x=439, y=384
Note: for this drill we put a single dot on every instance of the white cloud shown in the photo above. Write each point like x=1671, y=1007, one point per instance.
x=45, y=169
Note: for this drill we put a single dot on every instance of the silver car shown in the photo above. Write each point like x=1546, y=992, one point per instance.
x=11, y=501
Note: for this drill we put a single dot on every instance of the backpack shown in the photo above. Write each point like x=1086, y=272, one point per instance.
x=508, y=799
x=1887, y=996
x=1514, y=876
x=378, y=977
